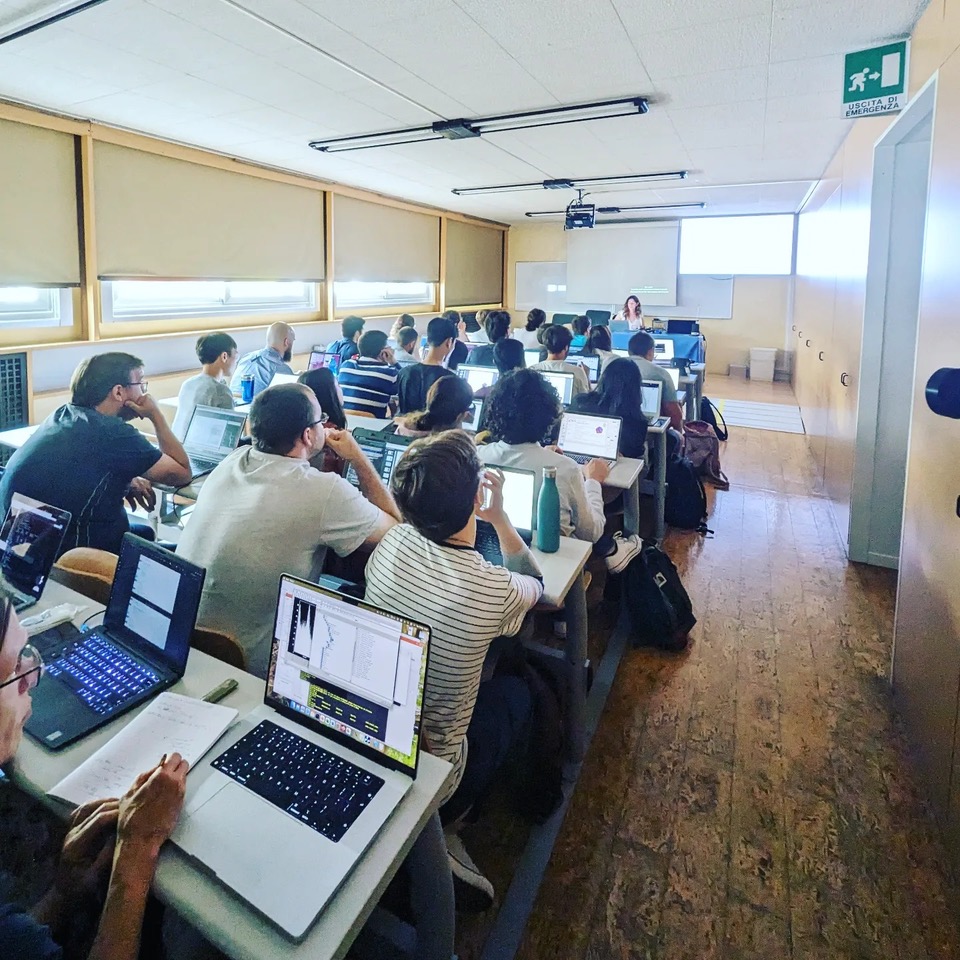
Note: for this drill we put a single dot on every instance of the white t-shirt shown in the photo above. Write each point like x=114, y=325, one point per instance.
x=581, y=500
x=467, y=603
x=202, y=389
x=260, y=515
x=527, y=337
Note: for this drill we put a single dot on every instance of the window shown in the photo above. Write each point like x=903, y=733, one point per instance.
x=737, y=245
x=360, y=293
x=36, y=307
x=125, y=300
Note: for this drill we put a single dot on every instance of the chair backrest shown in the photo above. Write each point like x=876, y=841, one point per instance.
x=219, y=645
x=559, y=319
x=88, y=571
x=599, y=318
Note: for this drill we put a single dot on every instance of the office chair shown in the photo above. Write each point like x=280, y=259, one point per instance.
x=599, y=318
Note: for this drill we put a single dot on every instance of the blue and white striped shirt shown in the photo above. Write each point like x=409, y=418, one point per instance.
x=367, y=385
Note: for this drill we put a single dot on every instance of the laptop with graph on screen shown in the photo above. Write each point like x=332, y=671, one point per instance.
x=321, y=765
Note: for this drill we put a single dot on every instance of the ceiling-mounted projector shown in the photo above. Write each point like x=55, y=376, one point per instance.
x=579, y=215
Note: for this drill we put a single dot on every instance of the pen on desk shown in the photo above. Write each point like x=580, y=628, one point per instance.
x=220, y=691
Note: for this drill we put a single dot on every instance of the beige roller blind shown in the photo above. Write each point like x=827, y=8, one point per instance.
x=160, y=217
x=39, y=235
x=373, y=242
x=474, y=264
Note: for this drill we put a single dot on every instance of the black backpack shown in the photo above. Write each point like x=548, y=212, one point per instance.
x=686, y=504
x=709, y=414
x=659, y=608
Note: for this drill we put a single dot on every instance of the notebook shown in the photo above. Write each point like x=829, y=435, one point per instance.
x=561, y=382
x=519, y=504
x=382, y=449
x=479, y=378
x=30, y=539
x=471, y=421
x=587, y=436
x=320, y=767
x=141, y=648
x=652, y=395
x=212, y=435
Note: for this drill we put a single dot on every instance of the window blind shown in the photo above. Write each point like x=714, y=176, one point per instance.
x=474, y=264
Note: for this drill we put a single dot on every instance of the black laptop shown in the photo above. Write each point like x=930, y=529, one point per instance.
x=140, y=649
x=30, y=539
x=382, y=448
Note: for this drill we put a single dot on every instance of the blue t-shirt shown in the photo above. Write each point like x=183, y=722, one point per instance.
x=82, y=461
x=22, y=937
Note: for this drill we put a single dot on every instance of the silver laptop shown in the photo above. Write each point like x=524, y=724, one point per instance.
x=285, y=812
x=561, y=382
x=479, y=378
x=30, y=540
x=530, y=357
x=519, y=504
x=471, y=421
x=280, y=378
x=592, y=363
x=587, y=436
x=662, y=349
x=652, y=397
x=212, y=435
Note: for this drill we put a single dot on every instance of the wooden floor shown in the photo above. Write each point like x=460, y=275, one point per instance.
x=751, y=798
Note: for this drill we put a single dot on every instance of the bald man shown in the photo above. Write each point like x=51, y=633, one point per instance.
x=263, y=364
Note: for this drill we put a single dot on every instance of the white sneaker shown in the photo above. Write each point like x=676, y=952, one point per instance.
x=626, y=548
x=472, y=890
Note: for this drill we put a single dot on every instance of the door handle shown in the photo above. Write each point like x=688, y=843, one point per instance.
x=808, y=343
x=800, y=334
x=845, y=379
x=821, y=355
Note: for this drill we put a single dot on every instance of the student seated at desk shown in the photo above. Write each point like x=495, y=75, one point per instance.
x=475, y=330
x=581, y=329
x=403, y=322
x=217, y=353
x=619, y=393
x=427, y=569
x=346, y=345
x=508, y=356
x=265, y=511
x=264, y=364
x=407, y=351
x=415, y=380
x=557, y=340
x=369, y=380
x=86, y=458
x=448, y=402
x=529, y=336
x=520, y=411
x=631, y=316
x=459, y=353
x=117, y=840
x=327, y=391
x=497, y=328
x=642, y=349
x=599, y=344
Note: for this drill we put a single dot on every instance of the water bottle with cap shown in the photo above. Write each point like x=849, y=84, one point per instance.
x=548, y=513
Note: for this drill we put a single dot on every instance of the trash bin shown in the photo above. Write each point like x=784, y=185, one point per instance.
x=762, y=362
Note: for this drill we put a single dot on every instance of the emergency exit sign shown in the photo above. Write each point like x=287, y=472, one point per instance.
x=875, y=80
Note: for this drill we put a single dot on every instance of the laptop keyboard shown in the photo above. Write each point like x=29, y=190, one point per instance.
x=202, y=466
x=487, y=543
x=101, y=675
x=320, y=789
x=582, y=458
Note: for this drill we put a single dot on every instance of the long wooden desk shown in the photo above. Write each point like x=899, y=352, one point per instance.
x=218, y=914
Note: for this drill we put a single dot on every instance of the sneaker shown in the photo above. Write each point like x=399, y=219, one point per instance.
x=626, y=548
x=472, y=890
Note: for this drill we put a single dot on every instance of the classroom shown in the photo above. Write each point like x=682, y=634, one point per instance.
x=476, y=480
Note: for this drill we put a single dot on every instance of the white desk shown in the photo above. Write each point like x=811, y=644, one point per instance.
x=17, y=437
x=219, y=915
x=625, y=476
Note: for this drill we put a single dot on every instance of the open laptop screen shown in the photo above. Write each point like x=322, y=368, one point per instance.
x=561, y=382
x=154, y=600
x=592, y=363
x=472, y=420
x=530, y=357
x=652, y=392
x=30, y=539
x=478, y=377
x=590, y=435
x=662, y=349
x=213, y=431
x=355, y=670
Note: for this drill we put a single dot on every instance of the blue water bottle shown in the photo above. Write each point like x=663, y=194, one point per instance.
x=548, y=513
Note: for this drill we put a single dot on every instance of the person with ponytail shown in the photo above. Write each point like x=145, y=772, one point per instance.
x=448, y=402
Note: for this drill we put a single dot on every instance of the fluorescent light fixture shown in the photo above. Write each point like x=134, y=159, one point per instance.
x=46, y=16
x=463, y=129
x=537, y=214
x=570, y=183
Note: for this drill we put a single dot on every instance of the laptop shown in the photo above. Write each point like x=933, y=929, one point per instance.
x=212, y=435
x=587, y=436
x=281, y=378
x=141, y=648
x=621, y=353
x=592, y=363
x=320, y=767
x=530, y=357
x=561, y=382
x=471, y=421
x=652, y=396
x=320, y=358
x=30, y=539
x=479, y=378
x=519, y=504
x=662, y=349
x=382, y=449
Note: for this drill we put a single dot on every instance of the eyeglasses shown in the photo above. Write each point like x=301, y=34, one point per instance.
x=143, y=384
x=313, y=423
x=29, y=669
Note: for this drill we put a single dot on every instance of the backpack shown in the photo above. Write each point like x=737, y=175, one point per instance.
x=686, y=505
x=709, y=413
x=702, y=449
x=658, y=607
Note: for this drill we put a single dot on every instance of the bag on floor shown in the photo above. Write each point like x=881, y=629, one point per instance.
x=702, y=449
x=658, y=606
x=709, y=413
x=686, y=503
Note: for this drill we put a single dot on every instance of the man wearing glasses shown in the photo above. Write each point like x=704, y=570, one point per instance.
x=118, y=837
x=265, y=511
x=86, y=458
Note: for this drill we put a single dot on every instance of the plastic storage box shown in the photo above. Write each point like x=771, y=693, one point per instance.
x=762, y=362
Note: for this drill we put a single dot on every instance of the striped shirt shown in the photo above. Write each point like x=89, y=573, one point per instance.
x=367, y=385
x=467, y=603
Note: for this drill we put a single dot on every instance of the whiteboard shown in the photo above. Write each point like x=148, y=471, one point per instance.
x=543, y=284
